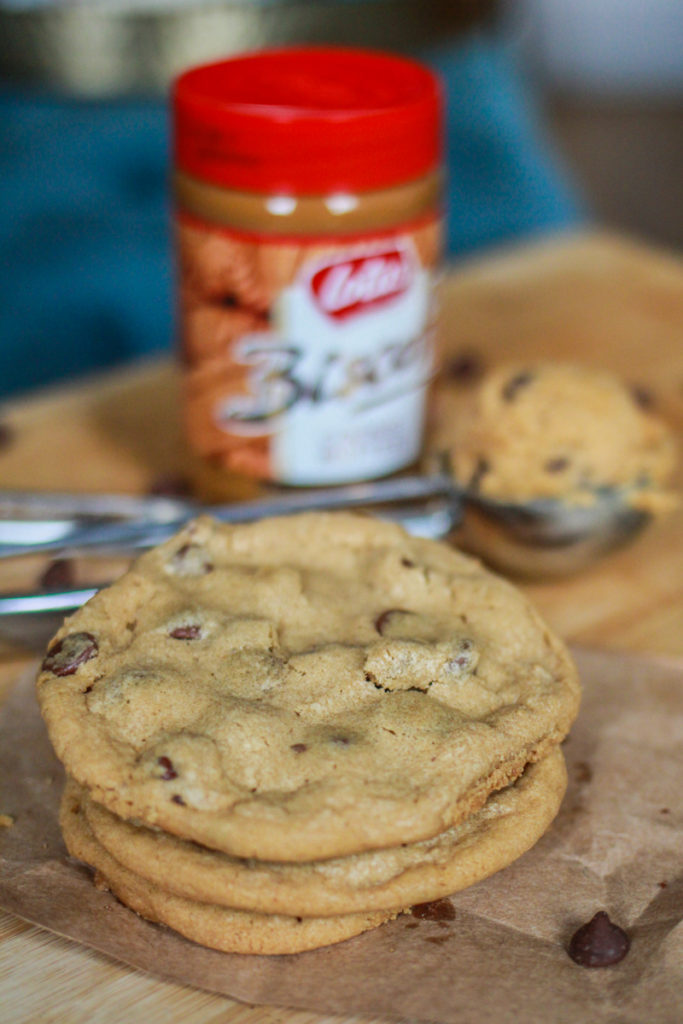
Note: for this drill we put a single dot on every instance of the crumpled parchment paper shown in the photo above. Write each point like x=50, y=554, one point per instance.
x=616, y=845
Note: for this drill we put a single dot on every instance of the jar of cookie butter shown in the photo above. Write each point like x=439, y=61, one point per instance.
x=307, y=191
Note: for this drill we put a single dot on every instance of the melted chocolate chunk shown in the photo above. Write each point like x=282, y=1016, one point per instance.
x=465, y=367
x=298, y=748
x=463, y=659
x=190, y=560
x=515, y=385
x=177, y=799
x=599, y=943
x=382, y=620
x=169, y=771
x=58, y=575
x=437, y=910
x=190, y=632
x=69, y=653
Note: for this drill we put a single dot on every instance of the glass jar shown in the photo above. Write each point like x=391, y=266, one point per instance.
x=308, y=216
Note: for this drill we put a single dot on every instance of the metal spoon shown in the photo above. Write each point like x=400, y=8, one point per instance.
x=548, y=538
x=427, y=506
x=539, y=539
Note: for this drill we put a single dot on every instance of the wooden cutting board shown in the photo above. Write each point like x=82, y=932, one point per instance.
x=593, y=298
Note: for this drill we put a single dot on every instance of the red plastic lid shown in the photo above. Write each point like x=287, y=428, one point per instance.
x=308, y=121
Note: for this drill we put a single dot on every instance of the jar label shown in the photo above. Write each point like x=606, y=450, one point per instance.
x=307, y=360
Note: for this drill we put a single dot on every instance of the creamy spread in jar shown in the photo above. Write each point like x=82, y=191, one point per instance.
x=308, y=233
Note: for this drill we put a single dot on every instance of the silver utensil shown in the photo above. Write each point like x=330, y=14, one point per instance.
x=540, y=539
x=49, y=523
x=549, y=538
x=34, y=523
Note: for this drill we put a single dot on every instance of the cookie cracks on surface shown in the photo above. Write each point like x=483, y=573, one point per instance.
x=393, y=665
x=390, y=689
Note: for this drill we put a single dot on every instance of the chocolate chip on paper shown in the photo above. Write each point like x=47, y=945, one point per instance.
x=599, y=943
x=435, y=910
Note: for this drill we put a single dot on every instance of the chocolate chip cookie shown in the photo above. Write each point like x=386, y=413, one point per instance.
x=304, y=688
x=556, y=430
x=510, y=822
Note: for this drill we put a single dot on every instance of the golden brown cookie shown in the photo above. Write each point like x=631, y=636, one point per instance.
x=304, y=688
x=555, y=430
x=220, y=927
x=508, y=824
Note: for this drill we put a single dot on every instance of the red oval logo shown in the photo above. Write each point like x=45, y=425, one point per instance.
x=352, y=286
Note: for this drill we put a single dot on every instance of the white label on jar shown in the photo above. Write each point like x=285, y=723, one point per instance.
x=339, y=380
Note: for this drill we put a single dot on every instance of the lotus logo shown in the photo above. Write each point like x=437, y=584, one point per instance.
x=352, y=286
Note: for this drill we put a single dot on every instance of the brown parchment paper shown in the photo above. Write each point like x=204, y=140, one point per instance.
x=616, y=845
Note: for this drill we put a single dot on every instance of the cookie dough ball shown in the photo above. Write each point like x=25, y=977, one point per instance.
x=553, y=430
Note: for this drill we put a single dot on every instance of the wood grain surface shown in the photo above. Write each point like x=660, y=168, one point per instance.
x=596, y=299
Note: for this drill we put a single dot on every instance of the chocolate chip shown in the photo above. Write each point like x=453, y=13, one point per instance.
x=341, y=741
x=58, y=575
x=169, y=771
x=482, y=467
x=382, y=620
x=599, y=943
x=515, y=384
x=298, y=748
x=67, y=654
x=6, y=435
x=557, y=465
x=177, y=799
x=463, y=659
x=665, y=810
x=407, y=563
x=436, y=910
x=465, y=367
x=191, y=560
x=190, y=632
x=642, y=397
x=662, y=885
x=170, y=485
x=583, y=772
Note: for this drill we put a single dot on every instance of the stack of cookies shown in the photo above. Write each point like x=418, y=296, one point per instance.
x=282, y=734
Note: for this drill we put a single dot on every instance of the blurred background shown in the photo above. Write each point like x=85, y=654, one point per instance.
x=559, y=116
